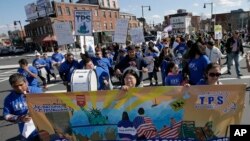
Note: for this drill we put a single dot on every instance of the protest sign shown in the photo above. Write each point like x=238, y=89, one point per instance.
x=121, y=31
x=83, y=22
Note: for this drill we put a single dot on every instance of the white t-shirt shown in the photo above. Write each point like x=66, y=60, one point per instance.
x=214, y=54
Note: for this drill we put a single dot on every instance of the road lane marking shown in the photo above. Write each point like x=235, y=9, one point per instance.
x=233, y=78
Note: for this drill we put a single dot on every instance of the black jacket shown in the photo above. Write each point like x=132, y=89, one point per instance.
x=230, y=42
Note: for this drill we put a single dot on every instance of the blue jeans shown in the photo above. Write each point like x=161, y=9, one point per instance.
x=233, y=56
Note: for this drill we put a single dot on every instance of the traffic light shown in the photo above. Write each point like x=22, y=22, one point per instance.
x=15, y=23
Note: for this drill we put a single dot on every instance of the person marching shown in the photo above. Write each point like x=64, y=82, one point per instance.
x=15, y=108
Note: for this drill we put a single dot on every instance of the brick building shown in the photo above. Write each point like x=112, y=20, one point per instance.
x=182, y=22
x=133, y=22
x=104, y=13
x=235, y=20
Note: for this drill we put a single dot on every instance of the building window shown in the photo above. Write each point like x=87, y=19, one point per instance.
x=44, y=30
x=67, y=11
x=71, y=25
x=108, y=3
x=105, y=26
x=104, y=14
x=38, y=32
x=98, y=26
x=111, y=26
x=110, y=14
x=102, y=4
x=116, y=15
x=96, y=12
x=114, y=4
x=59, y=10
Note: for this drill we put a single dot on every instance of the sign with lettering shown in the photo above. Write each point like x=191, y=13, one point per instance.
x=150, y=113
x=121, y=31
x=63, y=32
x=44, y=8
x=83, y=22
x=137, y=35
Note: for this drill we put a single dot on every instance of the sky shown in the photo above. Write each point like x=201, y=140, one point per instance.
x=13, y=10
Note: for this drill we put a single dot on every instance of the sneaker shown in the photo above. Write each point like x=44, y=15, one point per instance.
x=45, y=87
x=240, y=74
x=156, y=83
x=229, y=72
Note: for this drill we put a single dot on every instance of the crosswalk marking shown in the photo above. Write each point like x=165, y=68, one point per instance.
x=233, y=78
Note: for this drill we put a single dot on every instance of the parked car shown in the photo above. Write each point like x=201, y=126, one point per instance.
x=4, y=50
x=18, y=50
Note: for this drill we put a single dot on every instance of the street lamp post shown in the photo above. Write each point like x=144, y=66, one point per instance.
x=211, y=13
x=15, y=23
x=143, y=22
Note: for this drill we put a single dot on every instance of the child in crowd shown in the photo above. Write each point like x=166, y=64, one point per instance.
x=174, y=77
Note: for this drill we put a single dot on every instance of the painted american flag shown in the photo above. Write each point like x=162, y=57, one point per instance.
x=144, y=126
x=171, y=132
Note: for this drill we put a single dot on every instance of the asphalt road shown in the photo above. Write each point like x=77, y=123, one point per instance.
x=10, y=131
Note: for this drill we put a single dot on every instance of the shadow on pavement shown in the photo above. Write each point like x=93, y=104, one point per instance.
x=17, y=138
x=4, y=91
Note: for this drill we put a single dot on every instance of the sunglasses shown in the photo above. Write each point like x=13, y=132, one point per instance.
x=214, y=74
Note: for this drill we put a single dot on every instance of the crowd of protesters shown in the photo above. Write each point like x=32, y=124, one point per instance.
x=180, y=60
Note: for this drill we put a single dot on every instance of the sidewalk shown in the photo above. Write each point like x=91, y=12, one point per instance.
x=75, y=52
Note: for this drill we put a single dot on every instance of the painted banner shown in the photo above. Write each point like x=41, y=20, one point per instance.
x=121, y=31
x=63, y=32
x=196, y=112
x=83, y=22
x=137, y=35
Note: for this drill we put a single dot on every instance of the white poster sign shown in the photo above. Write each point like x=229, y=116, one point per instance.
x=30, y=10
x=83, y=22
x=159, y=34
x=218, y=32
x=63, y=33
x=90, y=45
x=44, y=8
x=121, y=31
x=137, y=35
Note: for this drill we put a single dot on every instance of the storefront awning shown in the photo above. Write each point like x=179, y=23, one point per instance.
x=49, y=38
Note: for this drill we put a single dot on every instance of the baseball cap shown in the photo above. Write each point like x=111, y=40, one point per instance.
x=37, y=54
x=130, y=48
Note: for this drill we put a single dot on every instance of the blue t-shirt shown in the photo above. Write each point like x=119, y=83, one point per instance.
x=31, y=80
x=57, y=57
x=101, y=76
x=173, y=80
x=197, y=68
x=164, y=68
x=202, y=82
x=48, y=63
x=66, y=69
x=102, y=62
x=181, y=48
x=15, y=104
x=37, y=62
